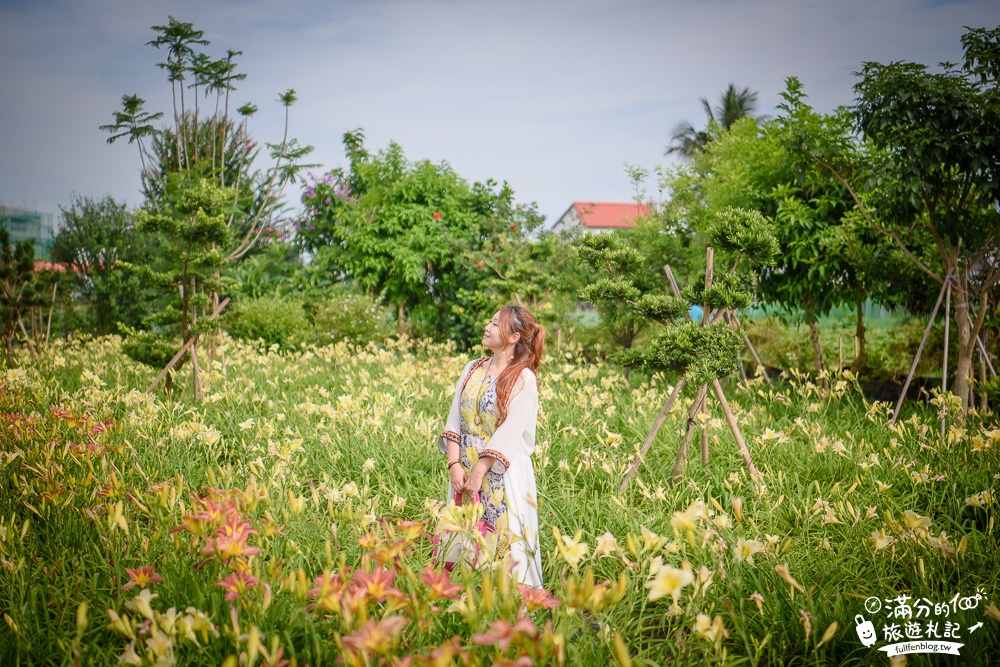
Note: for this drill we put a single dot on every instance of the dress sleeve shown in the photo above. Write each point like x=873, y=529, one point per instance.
x=522, y=412
x=453, y=425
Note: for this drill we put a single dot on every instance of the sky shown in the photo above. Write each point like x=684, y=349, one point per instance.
x=552, y=96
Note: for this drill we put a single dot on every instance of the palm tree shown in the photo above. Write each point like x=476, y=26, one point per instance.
x=134, y=123
x=734, y=104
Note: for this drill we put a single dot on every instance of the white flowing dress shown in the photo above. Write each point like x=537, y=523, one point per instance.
x=509, y=493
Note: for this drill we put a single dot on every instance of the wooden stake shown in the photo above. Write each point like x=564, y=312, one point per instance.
x=682, y=451
x=709, y=268
x=180, y=353
x=652, y=434
x=196, y=375
x=173, y=362
x=52, y=305
x=920, y=349
x=944, y=367
x=982, y=348
x=753, y=352
x=27, y=339
x=982, y=376
x=744, y=452
x=673, y=283
x=215, y=334
x=704, y=433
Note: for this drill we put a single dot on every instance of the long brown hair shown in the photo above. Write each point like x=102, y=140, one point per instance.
x=527, y=351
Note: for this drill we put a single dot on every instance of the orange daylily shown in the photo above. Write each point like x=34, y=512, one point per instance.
x=237, y=583
x=504, y=633
x=440, y=584
x=327, y=592
x=141, y=577
x=388, y=553
x=378, y=584
x=375, y=637
x=445, y=654
x=368, y=541
x=537, y=598
x=197, y=524
x=229, y=546
x=410, y=530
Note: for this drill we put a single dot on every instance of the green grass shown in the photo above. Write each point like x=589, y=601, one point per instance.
x=325, y=419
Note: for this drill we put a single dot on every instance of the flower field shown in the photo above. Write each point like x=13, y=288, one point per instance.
x=287, y=520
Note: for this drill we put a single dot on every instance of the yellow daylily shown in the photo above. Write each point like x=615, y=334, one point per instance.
x=670, y=581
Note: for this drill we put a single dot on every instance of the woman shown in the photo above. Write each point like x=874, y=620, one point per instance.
x=490, y=435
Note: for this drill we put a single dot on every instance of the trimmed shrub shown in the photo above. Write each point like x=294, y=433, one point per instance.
x=350, y=317
x=270, y=319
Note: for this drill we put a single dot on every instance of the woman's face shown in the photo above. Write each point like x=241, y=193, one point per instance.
x=492, y=338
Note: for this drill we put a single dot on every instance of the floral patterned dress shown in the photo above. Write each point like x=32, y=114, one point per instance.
x=508, y=490
x=478, y=409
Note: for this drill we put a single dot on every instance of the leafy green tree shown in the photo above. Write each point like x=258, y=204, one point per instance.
x=938, y=172
x=408, y=232
x=702, y=352
x=833, y=257
x=18, y=291
x=829, y=256
x=191, y=225
x=273, y=271
x=734, y=104
x=95, y=236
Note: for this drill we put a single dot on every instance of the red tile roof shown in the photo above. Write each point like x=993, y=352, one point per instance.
x=61, y=267
x=605, y=215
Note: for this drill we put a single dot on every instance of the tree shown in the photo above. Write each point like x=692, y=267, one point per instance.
x=94, y=236
x=734, y=104
x=191, y=223
x=829, y=256
x=214, y=156
x=407, y=231
x=522, y=264
x=938, y=137
x=217, y=146
x=705, y=351
x=18, y=291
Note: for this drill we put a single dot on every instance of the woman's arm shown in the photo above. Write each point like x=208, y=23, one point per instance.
x=453, y=424
x=450, y=441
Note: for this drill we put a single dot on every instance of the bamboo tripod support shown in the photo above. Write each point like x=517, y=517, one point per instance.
x=187, y=345
x=920, y=348
x=944, y=295
x=698, y=406
x=944, y=363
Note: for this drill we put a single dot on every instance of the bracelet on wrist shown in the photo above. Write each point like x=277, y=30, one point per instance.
x=453, y=463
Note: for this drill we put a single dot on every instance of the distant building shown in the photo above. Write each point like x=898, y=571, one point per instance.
x=24, y=224
x=593, y=217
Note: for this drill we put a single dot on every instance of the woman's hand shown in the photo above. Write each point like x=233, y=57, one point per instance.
x=474, y=483
x=458, y=477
